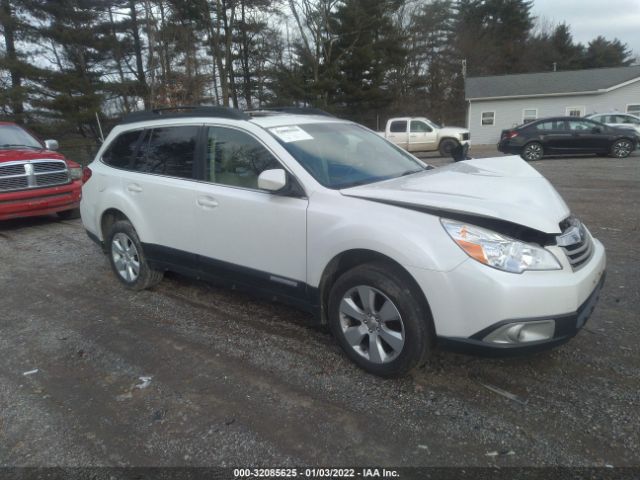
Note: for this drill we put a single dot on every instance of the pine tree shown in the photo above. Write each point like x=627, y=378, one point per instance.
x=438, y=73
x=566, y=54
x=604, y=53
x=77, y=41
x=14, y=20
x=368, y=48
x=492, y=35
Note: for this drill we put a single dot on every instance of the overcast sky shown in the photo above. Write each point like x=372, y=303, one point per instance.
x=590, y=18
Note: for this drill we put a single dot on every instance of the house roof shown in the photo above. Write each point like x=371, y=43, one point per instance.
x=595, y=80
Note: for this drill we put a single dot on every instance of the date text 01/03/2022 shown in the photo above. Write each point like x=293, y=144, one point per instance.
x=314, y=473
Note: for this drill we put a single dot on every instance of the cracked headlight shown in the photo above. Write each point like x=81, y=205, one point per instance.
x=497, y=250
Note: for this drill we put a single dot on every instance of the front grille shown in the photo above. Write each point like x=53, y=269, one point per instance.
x=576, y=242
x=465, y=136
x=55, y=178
x=13, y=183
x=579, y=253
x=33, y=174
x=42, y=167
x=12, y=169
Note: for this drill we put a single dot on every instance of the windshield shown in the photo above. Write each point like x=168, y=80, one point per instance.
x=14, y=136
x=342, y=155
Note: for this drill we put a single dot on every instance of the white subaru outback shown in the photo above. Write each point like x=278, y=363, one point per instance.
x=394, y=255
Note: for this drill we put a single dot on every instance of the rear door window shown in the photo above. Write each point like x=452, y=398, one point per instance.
x=399, y=126
x=580, y=125
x=545, y=126
x=169, y=151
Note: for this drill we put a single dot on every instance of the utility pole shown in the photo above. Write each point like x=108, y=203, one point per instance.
x=464, y=68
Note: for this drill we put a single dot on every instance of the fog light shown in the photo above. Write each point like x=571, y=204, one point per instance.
x=522, y=332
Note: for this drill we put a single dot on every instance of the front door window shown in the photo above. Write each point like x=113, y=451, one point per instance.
x=235, y=158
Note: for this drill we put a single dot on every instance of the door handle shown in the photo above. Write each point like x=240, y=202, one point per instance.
x=413, y=135
x=134, y=188
x=207, y=202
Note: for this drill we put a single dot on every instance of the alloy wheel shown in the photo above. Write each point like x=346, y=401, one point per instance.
x=533, y=151
x=125, y=257
x=371, y=324
x=622, y=149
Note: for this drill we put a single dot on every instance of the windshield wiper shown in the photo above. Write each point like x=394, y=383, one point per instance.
x=355, y=184
x=6, y=145
x=411, y=172
x=378, y=179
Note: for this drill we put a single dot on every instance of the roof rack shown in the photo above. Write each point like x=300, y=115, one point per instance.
x=291, y=111
x=184, y=112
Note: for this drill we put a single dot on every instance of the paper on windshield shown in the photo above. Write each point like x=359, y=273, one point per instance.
x=291, y=133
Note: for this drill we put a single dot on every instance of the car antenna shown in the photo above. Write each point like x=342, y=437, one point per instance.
x=100, y=128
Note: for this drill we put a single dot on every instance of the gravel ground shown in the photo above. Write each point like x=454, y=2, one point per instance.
x=238, y=381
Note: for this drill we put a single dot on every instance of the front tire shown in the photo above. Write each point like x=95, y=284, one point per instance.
x=447, y=146
x=621, y=148
x=377, y=317
x=127, y=258
x=532, y=151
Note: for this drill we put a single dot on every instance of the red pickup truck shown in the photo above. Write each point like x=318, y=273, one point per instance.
x=34, y=179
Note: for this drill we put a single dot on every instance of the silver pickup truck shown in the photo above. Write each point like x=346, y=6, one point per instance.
x=419, y=134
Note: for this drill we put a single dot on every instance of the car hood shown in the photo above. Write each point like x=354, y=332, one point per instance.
x=453, y=131
x=505, y=188
x=18, y=154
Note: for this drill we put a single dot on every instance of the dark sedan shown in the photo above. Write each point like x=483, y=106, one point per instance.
x=566, y=135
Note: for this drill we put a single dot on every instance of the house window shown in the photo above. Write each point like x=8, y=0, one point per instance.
x=529, y=115
x=634, y=109
x=488, y=118
x=575, y=111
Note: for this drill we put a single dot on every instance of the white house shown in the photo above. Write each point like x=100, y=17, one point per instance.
x=504, y=101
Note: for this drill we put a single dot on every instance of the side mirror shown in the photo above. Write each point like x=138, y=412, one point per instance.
x=51, y=144
x=596, y=130
x=272, y=180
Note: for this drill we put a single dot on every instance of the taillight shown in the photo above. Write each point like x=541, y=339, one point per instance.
x=512, y=134
x=86, y=174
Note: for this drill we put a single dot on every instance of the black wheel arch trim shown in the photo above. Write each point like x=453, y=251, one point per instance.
x=355, y=257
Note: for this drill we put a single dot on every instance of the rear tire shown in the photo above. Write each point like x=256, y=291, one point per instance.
x=127, y=257
x=69, y=214
x=532, y=151
x=621, y=148
x=380, y=320
x=446, y=146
